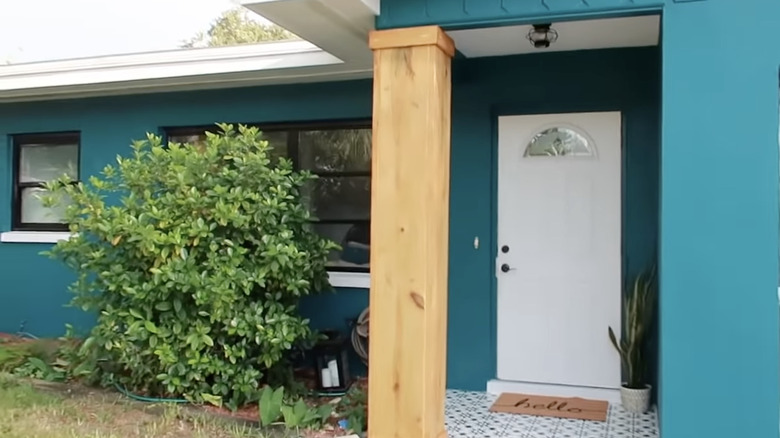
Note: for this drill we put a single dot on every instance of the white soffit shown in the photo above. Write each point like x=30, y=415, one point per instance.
x=339, y=27
x=572, y=35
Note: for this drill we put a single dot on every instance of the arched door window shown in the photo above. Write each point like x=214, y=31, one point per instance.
x=559, y=141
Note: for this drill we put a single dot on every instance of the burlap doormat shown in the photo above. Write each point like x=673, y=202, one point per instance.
x=561, y=407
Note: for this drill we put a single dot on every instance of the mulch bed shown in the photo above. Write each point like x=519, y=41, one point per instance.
x=9, y=339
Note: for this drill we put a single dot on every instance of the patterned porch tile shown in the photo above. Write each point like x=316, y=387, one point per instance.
x=468, y=416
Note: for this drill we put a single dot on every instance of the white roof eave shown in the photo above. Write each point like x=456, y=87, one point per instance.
x=337, y=50
x=340, y=27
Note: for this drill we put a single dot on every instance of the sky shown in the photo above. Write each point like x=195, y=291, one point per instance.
x=43, y=30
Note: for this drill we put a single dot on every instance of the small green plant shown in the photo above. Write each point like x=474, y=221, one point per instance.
x=76, y=357
x=638, y=311
x=302, y=415
x=275, y=410
x=193, y=259
x=13, y=356
x=354, y=409
x=37, y=358
x=37, y=368
x=270, y=405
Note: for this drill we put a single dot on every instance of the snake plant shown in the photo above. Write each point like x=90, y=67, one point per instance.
x=638, y=310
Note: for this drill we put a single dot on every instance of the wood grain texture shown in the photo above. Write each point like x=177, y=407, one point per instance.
x=409, y=239
x=412, y=37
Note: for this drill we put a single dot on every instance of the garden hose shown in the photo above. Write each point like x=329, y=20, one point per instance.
x=123, y=391
x=360, y=336
x=142, y=398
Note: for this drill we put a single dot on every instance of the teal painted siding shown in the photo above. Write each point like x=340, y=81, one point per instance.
x=599, y=80
x=481, y=13
x=719, y=220
x=625, y=80
x=33, y=288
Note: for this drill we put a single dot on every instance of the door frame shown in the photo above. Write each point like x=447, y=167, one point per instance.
x=519, y=109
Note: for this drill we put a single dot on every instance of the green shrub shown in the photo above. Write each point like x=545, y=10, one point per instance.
x=194, y=260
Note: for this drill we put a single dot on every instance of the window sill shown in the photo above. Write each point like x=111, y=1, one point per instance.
x=34, y=236
x=360, y=280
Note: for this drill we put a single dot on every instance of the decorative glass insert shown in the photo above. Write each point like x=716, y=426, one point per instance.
x=557, y=142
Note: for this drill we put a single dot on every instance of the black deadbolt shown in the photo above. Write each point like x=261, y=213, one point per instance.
x=504, y=268
x=505, y=249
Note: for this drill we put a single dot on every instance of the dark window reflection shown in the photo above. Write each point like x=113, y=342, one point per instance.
x=340, y=197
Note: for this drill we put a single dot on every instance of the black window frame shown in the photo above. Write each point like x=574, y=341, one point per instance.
x=293, y=130
x=35, y=140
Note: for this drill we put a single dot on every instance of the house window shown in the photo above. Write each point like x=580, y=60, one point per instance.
x=559, y=142
x=340, y=198
x=39, y=159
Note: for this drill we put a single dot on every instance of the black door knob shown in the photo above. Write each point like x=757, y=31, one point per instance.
x=505, y=249
x=504, y=268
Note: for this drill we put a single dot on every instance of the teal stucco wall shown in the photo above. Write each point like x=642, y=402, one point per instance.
x=718, y=225
x=719, y=220
x=33, y=288
x=627, y=80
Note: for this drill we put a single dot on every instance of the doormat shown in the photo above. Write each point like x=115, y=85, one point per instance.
x=560, y=407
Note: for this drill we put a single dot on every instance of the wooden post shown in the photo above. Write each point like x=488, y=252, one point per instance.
x=409, y=232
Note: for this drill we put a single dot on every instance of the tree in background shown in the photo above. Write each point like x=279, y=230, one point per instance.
x=235, y=27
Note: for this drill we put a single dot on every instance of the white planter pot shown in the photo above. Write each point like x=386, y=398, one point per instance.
x=636, y=401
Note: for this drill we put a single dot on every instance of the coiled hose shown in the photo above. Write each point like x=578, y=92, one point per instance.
x=360, y=336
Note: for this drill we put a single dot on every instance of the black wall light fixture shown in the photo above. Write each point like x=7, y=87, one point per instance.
x=542, y=35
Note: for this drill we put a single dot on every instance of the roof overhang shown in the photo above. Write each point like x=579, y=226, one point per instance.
x=339, y=27
x=336, y=49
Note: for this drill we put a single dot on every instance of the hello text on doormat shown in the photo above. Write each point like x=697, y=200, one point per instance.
x=561, y=407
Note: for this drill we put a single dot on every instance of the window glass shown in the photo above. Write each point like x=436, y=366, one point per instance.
x=558, y=142
x=355, y=240
x=340, y=197
x=39, y=159
x=197, y=140
x=33, y=211
x=337, y=150
x=41, y=163
x=277, y=141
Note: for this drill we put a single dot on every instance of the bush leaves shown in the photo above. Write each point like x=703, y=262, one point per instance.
x=193, y=258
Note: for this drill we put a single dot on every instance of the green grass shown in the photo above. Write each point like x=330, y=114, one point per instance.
x=27, y=411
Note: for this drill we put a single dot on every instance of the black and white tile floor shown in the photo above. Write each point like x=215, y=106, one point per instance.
x=468, y=416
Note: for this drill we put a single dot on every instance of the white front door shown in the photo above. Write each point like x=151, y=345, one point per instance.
x=559, y=248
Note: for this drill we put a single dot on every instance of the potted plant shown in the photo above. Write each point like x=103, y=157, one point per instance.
x=638, y=310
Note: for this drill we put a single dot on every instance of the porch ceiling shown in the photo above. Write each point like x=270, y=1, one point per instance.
x=572, y=35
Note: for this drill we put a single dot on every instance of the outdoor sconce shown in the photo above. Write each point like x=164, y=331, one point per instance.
x=332, y=364
x=542, y=35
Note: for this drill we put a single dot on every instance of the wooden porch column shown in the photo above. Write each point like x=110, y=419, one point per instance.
x=409, y=232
